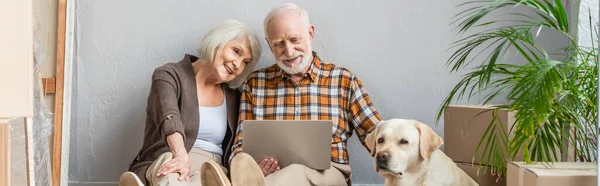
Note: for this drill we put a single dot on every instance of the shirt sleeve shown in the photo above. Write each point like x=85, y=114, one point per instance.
x=245, y=114
x=164, y=107
x=363, y=115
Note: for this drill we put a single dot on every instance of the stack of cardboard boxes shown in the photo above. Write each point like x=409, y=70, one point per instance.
x=464, y=126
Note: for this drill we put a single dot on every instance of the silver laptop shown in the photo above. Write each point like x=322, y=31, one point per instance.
x=305, y=142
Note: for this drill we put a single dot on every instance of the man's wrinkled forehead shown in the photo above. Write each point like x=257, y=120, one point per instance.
x=285, y=25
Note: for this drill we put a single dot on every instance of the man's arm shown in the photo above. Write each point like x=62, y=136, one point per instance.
x=268, y=165
x=363, y=115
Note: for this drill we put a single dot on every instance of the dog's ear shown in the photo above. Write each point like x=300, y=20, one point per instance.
x=429, y=140
x=371, y=139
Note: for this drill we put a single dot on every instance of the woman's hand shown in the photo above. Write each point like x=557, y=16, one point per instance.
x=268, y=165
x=179, y=164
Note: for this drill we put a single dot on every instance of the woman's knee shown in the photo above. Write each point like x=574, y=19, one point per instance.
x=167, y=155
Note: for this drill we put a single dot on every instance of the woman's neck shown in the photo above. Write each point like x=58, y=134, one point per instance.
x=204, y=74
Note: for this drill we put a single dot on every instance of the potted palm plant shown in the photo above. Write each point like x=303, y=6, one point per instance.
x=550, y=93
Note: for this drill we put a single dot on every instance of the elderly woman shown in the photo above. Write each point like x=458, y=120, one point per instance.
x=192, y=109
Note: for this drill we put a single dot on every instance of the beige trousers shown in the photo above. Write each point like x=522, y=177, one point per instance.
x=197, y=158
x=296, y=174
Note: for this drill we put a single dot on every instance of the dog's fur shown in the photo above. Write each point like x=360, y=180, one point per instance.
x=406, y=153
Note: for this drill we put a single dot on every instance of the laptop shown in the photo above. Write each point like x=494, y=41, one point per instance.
x=305, y=142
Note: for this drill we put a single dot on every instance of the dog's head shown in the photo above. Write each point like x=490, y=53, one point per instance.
x=398, y=143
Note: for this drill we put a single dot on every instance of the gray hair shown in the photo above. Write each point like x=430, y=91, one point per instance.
x=213, y=42
x=284, y=8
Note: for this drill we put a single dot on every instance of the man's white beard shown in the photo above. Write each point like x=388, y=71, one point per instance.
x=295, y=69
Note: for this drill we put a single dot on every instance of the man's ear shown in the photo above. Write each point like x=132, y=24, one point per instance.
x=428, y=139
x=311, y=33
x=371, y=139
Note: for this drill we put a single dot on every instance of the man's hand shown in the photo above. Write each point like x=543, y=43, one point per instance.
x=268, y=165
x=179, y=164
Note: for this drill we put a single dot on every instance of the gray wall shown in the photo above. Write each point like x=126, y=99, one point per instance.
x=397, y=48
x=588, y=9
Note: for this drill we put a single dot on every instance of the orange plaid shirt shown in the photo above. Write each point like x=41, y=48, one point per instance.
x=326, y=92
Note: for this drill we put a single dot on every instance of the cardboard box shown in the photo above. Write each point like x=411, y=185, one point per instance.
x=559, y=177
x=560, y=173
x=463, y=128
x=483, y=178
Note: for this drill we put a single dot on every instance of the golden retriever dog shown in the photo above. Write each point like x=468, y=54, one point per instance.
x=407, y=153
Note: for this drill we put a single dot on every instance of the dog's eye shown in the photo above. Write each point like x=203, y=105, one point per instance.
x=403, y=141
x=380, y=140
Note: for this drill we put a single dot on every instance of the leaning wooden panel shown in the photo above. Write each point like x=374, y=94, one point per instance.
x=58, y=104
x=4, y=152
x=16, y=59
x=16, y=72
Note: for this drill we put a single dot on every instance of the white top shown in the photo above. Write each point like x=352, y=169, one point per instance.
x=213, y=126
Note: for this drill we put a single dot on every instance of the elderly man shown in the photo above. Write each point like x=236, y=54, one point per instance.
x=300, y=86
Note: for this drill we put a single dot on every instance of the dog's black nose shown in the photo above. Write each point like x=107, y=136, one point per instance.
x=383, y=156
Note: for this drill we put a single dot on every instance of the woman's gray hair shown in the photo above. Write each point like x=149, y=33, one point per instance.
x=284, y=8
x=213, y=42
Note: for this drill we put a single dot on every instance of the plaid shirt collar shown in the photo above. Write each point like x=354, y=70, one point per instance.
x=312, y=72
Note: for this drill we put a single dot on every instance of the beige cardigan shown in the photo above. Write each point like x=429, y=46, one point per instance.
x=173, y=107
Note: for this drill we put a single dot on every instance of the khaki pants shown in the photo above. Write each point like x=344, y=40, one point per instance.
x=295, y=174
x=197, y=158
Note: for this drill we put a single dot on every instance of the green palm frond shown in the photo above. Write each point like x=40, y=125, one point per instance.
x=554, y=98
